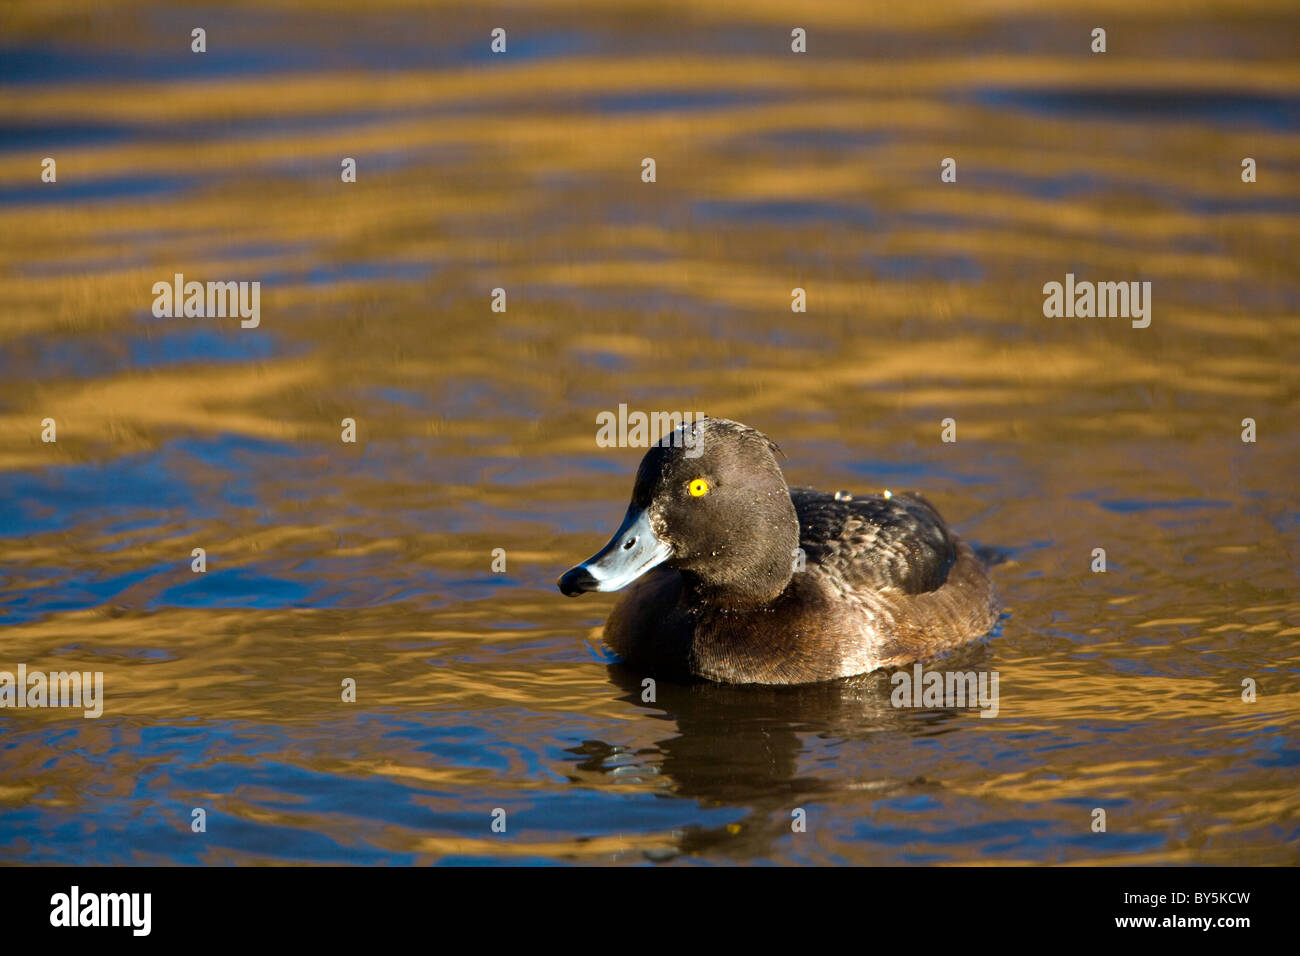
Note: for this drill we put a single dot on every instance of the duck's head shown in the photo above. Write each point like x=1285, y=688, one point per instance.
x=710, y=501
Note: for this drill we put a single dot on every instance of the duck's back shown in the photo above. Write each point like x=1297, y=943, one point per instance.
x=875, y=542
x=917, y=588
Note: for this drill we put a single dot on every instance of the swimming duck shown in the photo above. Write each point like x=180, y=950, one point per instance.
x=735, y=577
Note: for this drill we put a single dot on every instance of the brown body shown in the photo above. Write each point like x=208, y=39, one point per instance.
x=838, y=617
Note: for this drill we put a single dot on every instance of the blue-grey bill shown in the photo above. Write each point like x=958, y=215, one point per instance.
x=632, y=552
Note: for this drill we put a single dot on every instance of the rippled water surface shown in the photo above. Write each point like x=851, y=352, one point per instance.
x=479, y=690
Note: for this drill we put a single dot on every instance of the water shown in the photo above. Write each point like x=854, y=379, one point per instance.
x=479, y=690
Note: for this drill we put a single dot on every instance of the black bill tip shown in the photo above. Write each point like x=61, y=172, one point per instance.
x=576, y=581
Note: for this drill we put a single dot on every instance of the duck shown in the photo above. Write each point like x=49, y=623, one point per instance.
x=729, y=575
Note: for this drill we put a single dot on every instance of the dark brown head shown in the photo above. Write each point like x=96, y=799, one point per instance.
x=710, y=501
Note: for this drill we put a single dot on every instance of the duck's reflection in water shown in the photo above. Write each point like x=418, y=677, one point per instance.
x=740, y=747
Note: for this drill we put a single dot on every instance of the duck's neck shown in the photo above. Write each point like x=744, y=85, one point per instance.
x=749, y=595
x=756, y=575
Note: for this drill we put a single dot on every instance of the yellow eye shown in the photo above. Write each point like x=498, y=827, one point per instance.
x=699, y=488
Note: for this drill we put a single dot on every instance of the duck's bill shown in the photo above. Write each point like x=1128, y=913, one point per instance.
x=632, y=552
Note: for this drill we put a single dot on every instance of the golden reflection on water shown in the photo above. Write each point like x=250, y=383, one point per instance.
x=477, y=428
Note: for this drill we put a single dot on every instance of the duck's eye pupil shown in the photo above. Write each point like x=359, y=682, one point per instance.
x=628, y=543
x=699, y=487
